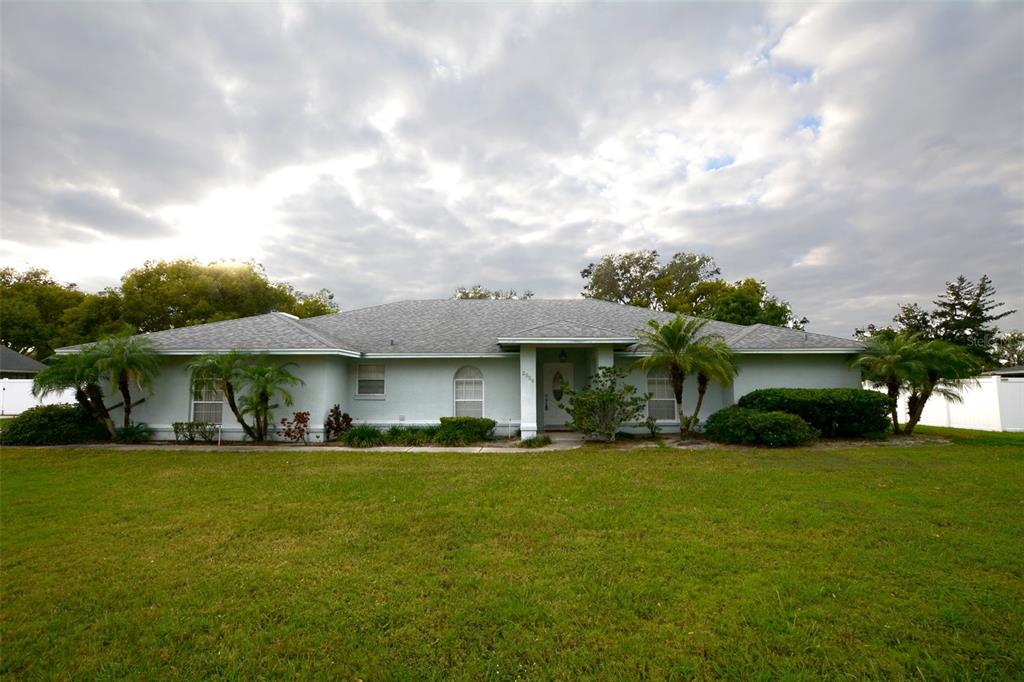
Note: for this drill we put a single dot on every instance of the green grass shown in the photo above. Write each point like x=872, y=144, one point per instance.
x=887, y=562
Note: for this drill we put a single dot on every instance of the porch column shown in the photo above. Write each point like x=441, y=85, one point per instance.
x=528, y=391
x=605, y=356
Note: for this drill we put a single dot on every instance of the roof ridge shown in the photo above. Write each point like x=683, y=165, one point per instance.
x=566, y=321
x=297, y=322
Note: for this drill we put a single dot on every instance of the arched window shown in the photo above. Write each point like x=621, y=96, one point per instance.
x=469, y=392
x=662, y=405
x=207, y=402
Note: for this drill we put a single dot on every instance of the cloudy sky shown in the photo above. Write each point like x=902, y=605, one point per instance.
x=853, y=156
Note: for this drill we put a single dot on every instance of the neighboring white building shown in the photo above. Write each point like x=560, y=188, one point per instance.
x=412, y=362
x=994, y=402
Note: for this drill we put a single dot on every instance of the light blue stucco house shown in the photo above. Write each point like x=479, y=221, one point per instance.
x=413, y=362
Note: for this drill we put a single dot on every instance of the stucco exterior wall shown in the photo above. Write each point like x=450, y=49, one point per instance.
x=792, y=371
x=421, y=390
x=713, y=398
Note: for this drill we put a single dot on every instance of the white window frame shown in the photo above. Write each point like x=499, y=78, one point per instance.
x=192, y=401
x=668, y=379
x=383, y=380
x=455, y=390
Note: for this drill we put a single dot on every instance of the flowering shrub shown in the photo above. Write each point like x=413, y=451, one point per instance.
x=295, y=429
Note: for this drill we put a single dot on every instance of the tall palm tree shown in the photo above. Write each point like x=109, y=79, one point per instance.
x=675, y=346
x=78, y=372
x=225, y=371
x=126, y=360
x=889, y=362
x=262, y=381
x=946, y=369
x=714, y=361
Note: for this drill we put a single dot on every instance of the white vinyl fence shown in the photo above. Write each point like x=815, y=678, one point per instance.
x=991, y=403
x=16, y=396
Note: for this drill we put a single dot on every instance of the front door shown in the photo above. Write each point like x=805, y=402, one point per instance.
x=555, y=374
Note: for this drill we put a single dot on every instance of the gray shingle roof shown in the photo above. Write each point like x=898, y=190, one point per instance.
x=13, y=361
x=462, y=326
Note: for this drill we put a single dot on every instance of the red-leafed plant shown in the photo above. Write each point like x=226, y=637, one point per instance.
x=337, y=423
x=295, y=429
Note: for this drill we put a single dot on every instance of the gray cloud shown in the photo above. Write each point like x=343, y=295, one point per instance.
x=401, y=150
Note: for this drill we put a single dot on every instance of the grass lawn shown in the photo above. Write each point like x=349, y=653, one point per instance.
x=864, y=562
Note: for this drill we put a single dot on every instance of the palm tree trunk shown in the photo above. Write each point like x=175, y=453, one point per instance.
x=677, y=389
x=95, y=395
x=122, y=385
x=229, y=392
x=893, y=391
x=916, y=405
x=702, y=388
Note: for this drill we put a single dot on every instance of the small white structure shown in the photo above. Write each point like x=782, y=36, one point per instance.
x=16, y=396
x=995, y=402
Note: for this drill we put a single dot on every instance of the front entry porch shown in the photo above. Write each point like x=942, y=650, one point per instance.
x=543, y=371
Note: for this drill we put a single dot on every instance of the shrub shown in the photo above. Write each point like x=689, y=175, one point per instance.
x=135, y=433
x=363, y=436
x=296, y=428
x=337, y=423
x=836, y=412
x=190, y=432
x=535, y=442
x=53, y=425
x=652, y=425
x=464, y=430
x=604, y=405
x=752, y=427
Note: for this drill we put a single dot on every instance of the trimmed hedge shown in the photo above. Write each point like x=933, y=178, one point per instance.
x=53, y=425
x=464, y=430
x=836, y=412
x=744, y=426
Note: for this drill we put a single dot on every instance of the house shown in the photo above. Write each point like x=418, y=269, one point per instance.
x=412, y=362
x=14, y=365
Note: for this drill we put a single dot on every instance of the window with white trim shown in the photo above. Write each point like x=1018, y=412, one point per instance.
x=662, y=405
x=469, y=392
x=207, y=402
x=370, y=380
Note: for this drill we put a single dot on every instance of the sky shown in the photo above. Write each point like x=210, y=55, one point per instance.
x=853, y=156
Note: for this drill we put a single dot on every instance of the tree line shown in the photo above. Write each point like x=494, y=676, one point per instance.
x=41, y=314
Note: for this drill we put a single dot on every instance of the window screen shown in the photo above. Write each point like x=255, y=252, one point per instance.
x=370, y=380
x=469, y=392
x=207, y=403
x=662, y=405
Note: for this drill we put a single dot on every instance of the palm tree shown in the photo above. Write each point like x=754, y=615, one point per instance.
x=676, y=346
x=225, y=371
x=946, y=369
x=126, y=360
x=76, y=371
x=889, y=362
x=714, y=361
x=262, y=381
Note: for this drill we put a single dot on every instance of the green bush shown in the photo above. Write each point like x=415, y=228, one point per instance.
x=835, y=412
x=744, y=426
x=53, y=425
x=463, y=430
x=363, y=436
x=190, y=432
x=535, y=442
x=606, y=403
x=136, y=433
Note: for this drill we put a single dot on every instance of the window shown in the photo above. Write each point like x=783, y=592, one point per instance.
x=370, y=380
x=207, y=403
x=662, y=405
x=469, y=392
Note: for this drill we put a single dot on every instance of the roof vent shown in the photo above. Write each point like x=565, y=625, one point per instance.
x=392, y=342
